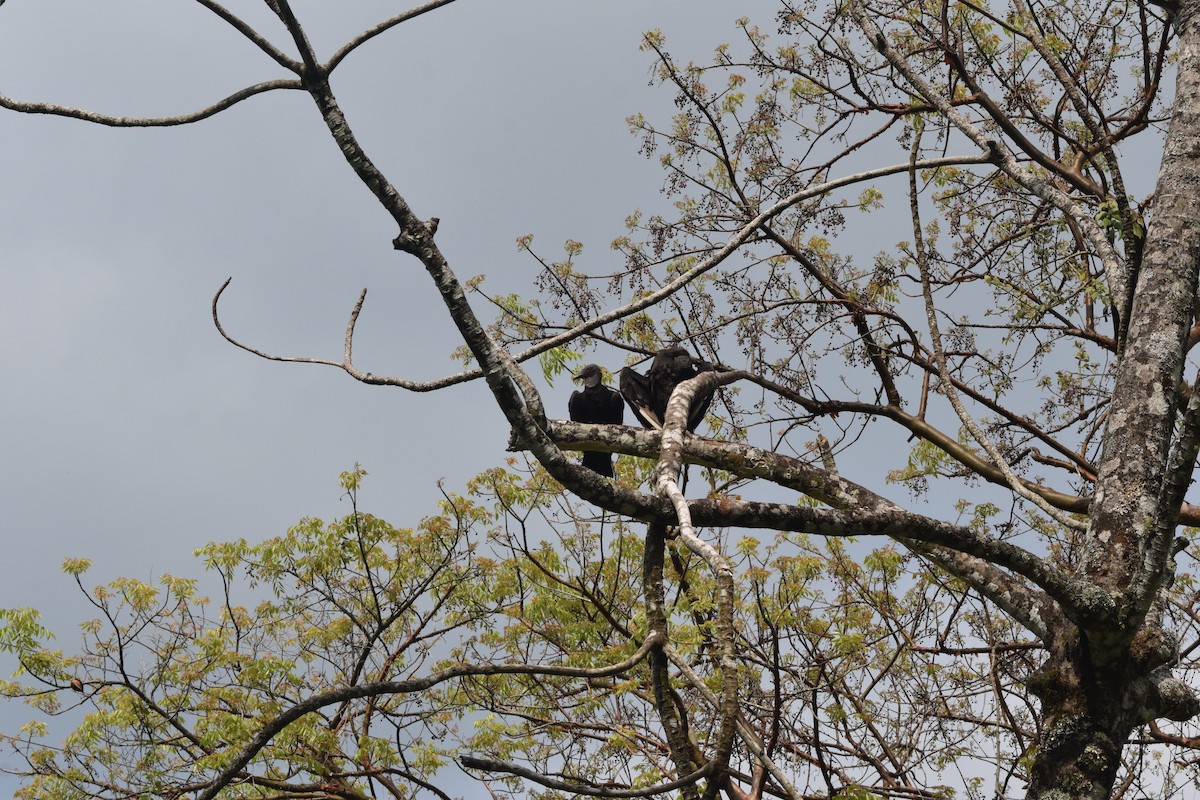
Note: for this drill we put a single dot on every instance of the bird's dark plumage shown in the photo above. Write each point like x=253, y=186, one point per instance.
x=648, y=394
x=596, y=403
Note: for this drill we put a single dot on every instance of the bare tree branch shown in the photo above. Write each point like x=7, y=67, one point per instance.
x=147, y=122
x=254, y=36
x=374, y=31
x=670, y=464
x=753, y=743
x=312, y=70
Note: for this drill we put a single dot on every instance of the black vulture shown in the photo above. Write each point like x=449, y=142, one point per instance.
x=648, y=394
x=599, y=404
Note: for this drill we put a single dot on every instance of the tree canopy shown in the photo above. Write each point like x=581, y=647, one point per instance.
x=914, y=238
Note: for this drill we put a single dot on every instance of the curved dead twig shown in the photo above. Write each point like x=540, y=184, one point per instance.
x=272, y=728
x=346, y=364
x=148, y=122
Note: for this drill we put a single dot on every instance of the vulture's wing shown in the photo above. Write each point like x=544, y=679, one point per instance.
x=635, y=388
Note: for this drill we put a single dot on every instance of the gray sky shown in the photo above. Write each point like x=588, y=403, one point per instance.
x=132, y=432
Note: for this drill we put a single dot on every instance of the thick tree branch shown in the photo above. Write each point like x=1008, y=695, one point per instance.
x=1122, y=553
x=312, y=71
x=1158, y=562
x=857, y=511
x=670, y=465
x=748, y=461
x=1030, y=608
x=671, y=711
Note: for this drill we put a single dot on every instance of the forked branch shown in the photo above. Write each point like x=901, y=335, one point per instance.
x=347, y=362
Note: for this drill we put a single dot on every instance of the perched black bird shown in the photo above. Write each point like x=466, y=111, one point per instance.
x=600, y=404
x=648, y=394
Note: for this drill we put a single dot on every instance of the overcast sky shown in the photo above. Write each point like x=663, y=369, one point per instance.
x=132, y=432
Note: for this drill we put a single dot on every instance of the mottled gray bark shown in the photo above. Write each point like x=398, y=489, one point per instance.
x=1140, y=429
x=666, y=700
x=1105, y=675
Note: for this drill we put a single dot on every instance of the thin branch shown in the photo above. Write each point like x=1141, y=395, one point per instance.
x=747, y=735
x=490, y=765
x=254, y=36
x=918, y=426
x=372, y=32
x=347, y=363
x=290, y=359
x=1105, y=142
x=744, y=234
x=943, y=369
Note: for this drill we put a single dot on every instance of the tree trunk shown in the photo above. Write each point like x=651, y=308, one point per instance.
x=1090, y=710
x=1104, y=676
